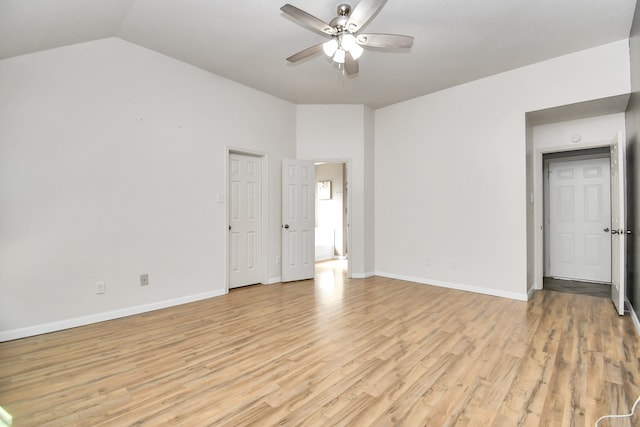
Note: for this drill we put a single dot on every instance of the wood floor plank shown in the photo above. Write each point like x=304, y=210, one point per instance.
x=334, y=351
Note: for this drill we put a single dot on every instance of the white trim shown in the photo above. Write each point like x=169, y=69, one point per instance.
x=458, y=286
x=101, y=317
x=532, y=289
x=274, y=280
x=364, y=275
x=634, y=316
x=265, y=219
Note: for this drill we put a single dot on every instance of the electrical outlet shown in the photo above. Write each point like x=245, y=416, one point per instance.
x=144, y=279
x=101, y=287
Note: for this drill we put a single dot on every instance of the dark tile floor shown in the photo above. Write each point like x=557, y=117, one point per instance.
x=575, y=287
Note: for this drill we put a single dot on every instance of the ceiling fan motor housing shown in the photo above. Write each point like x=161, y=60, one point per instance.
x=339, y=22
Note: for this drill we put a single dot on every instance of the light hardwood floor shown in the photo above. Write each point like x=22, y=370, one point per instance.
x=331, y=352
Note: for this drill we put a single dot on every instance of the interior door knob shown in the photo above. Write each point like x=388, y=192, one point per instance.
x=614, y=231
x=286, y=226
x=606, y=230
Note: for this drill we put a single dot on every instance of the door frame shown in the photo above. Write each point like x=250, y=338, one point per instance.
x=264, y=273
x=347, y=181
x=538, y=201
x=547, y=201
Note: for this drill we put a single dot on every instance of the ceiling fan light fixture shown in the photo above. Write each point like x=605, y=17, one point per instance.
x=356, y=51
x=350, y=45
x=339, y=56
x=330, y=47
x=347, y=41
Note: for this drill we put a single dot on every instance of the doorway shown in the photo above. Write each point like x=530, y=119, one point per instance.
x=577, y=217
x=332, y=213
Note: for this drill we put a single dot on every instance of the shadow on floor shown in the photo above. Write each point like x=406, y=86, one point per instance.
x=575, y=287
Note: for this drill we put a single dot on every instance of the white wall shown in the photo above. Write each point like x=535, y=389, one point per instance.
x=593, y=131
x=450, y=171
x=633, y=174
x=111, y=158
x=369, y=231
x=343, y=133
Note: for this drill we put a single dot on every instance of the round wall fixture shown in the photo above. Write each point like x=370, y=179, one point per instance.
x=576, y=138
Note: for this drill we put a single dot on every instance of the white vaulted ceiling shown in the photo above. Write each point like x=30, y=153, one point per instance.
x=456, y=41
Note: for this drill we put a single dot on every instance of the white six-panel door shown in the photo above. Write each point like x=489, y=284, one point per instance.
x=579, y=220
x=245, y=219
x=298, y=220
x=618, y=224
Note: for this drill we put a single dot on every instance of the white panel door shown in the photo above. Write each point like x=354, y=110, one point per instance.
x=245, y=219
x=579, y=220
x=298, y=220
x=618, y=225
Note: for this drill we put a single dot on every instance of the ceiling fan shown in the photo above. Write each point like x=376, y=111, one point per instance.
x=346, y=43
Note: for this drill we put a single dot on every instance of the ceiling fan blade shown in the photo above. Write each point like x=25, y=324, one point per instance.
x=308, y=19
x=385, y=40
x=310, y=51
x=350, y=65
x=362, y=13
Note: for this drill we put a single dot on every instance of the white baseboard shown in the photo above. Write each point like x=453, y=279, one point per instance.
x=274, y=280
x=362, y=275
x=479, y=290
x=530, y=292
x=101, y=317
x=634, y=316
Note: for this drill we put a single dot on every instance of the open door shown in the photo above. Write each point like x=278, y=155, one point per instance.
x=618, y=225
x=298, y=220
